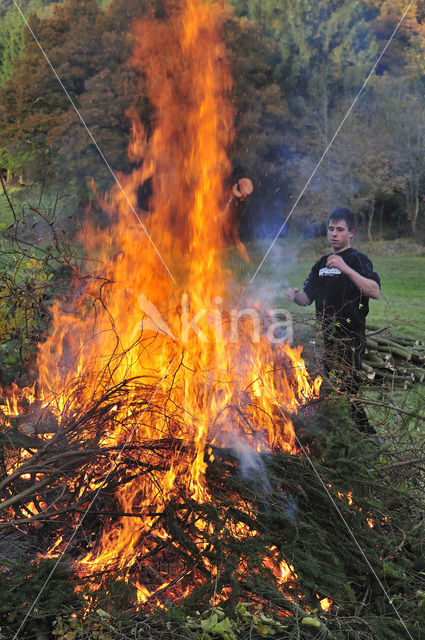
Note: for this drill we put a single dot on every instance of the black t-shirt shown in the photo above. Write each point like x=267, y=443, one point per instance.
x=340, y=305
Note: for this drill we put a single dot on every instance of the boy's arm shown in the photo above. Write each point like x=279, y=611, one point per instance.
x=367, y=286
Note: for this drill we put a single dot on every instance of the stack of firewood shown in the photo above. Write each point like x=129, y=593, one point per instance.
x=391, y=359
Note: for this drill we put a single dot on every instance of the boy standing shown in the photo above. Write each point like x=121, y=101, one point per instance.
x=341, y=283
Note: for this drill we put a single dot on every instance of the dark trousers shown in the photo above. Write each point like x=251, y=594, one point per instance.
x=343, y=358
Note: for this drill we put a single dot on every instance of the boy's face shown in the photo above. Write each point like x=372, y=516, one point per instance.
x=339, y=235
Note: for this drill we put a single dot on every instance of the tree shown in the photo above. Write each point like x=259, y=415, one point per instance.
x=309, y=36
x=261, y=111
x=324, y=51
x=88, y=50
x=12, y=33
x=403, y=116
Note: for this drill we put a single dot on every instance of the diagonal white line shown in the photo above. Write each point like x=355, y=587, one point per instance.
x=114, y=466
x=95, y=143
x=336, y=506
x=332, y=141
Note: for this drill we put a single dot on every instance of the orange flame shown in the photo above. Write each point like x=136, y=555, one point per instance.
x=137, y=320
x=326, y=604
x=15, y=399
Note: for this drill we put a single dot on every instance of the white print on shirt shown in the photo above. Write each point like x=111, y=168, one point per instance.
x=325, y=271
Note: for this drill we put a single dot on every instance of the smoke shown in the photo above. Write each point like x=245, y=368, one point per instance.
x=251, y=464
x=289, y=505
x=266, y=293
x=253, y=469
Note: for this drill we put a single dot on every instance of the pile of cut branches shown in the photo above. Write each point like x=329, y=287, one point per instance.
x=392, y=359
x=341, y=524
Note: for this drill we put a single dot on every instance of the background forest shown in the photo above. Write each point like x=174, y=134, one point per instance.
x=297, y=66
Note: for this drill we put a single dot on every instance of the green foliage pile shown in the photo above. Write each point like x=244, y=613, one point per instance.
x=315, y=514
x=20, y=583
x=246, y=621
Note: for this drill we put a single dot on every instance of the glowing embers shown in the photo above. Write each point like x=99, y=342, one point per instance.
x=326, y=604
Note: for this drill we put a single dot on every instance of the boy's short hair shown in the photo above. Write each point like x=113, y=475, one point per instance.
x=342, y=213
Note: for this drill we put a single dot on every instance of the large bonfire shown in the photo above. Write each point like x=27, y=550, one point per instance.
x=150, y=322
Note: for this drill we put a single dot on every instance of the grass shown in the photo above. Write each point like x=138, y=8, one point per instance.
x=402, y=303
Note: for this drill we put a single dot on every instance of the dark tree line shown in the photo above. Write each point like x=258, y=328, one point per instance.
x=297, y=68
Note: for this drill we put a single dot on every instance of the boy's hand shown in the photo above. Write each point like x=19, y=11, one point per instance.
x=290, y=293
x=337, y=262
